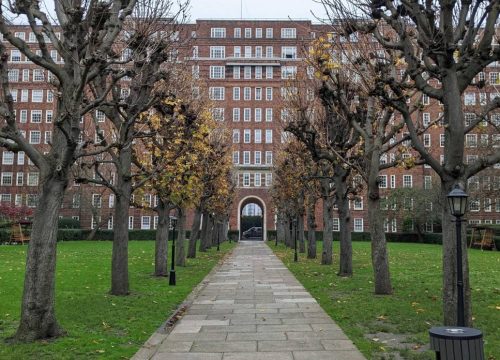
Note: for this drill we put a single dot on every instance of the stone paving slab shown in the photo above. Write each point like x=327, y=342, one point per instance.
x=251, y=308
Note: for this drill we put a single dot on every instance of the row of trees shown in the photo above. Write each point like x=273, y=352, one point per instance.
x=118, y=57
x=370, y=80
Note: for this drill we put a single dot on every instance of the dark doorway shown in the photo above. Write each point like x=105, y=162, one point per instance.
x=252, y=222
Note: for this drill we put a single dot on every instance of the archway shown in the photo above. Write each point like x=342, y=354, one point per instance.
x=252, y=219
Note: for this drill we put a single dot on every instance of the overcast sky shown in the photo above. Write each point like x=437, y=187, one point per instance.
x=255, y=9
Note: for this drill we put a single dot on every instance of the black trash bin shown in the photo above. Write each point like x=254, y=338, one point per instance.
x=457, y=343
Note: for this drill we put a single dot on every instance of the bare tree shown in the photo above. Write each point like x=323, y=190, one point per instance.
x=443, y=46
x=88, y=32
x=148, y=55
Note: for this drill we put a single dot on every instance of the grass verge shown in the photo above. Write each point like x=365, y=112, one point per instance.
x=414, y=307
x=98, y=325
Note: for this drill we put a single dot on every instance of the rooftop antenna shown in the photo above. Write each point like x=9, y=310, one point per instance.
x=241, y=9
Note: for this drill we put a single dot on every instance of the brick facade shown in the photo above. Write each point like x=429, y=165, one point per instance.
x=245, y=64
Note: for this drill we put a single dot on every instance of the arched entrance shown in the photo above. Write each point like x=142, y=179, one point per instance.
x=252, y=218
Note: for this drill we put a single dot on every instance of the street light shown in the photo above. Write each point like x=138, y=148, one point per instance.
x=218, y=236
x=295, y=256
x=457, y=200
x=171, y=278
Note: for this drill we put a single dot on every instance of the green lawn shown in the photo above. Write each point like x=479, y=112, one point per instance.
x=98, y=325
x=416, y=304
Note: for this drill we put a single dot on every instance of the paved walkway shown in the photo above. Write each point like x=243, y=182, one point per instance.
x=252, y=308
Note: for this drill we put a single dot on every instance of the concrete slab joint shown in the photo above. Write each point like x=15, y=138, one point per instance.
x=251, y=308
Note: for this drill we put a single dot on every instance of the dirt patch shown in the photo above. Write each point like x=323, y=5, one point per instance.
x=397, y=346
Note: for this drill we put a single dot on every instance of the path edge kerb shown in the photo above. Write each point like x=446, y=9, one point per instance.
x=149, y=348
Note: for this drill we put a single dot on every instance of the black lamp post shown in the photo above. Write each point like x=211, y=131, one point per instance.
x=457, y=200
x=171, y=278
x=218, y=235
x=295, y=256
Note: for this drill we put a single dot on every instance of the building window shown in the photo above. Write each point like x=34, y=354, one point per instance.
x=35, y=137
x=427, y=140
x=15, y=55
x=236, y=157
x=247, y=93
x=236, y=136
x=237, y=33
x=75, y=202
x=469, y=118
x=426, y=119
x=38, y=75
x=269, y=114
x=269, y=33
x=358, y=204
x=258, y=72
x=217, y=72
x=248, y=51
x=216, y=93
x=48, y=116
x=218, y=33
x=336, y=224
x=258, y=114
x=441, y=140
x=19, y=179
x=269, y=157
x=236, y=114
x=236, y=93
x=13, y=75
x=427, y=182
x=288, y=33
x=358, y=225
x=246, y=179
x=145, y=222
x=23, y=116
x=32, y=200
x=48, y=137
x=257, y=157
x=289, y=52
x=407, y=181
x=269, y=136
x=269, y=179
x=24, y=95
x=247, y=114
x=248, y=33
x=6, y=179
x=469, y=99
x=288, y=72
x=247, y=72
x=217, y=52
x=236, y=72
x=97, y=200
x=37, y=96
x=474, y=205
x=130, y=222
x=257, y=179
x=269, y=93
x=8, y=158
x=258, y=136
x=258, y=93
x=26, y=75
x=393, y=181
x=247, y=136
x=382, y=181
x=218, y=114
x=269, y=72
x=471, y=140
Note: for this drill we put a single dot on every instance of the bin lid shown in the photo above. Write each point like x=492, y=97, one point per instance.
x=455, y=333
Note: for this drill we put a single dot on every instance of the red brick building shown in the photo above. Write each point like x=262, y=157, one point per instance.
x=246, y=64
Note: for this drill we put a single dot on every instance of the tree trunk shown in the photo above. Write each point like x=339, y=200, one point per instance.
x=311, y=231
x=161, y=242
x=180, y=252
x=380, y=257
x=119, y=263
x=195, y=234
x=204, y=232
x=280, y=229
x=345, y=254
x=327, y=254
x=301, y=240
x=288, y=233
x=449, y=263
x=38, y=320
